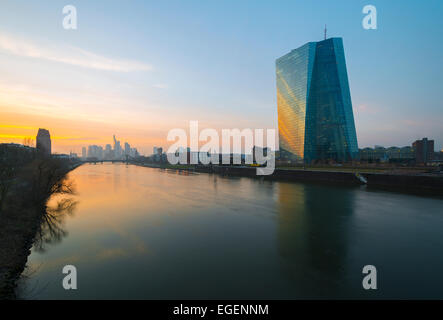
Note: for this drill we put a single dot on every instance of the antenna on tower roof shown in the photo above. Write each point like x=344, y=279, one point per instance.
x=325, y=32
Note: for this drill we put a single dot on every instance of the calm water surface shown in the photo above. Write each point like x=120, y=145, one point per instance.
x=145, y=233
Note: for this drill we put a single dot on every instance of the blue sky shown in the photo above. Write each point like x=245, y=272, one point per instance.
x=213, y=61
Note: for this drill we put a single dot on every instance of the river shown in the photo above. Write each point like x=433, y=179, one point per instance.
x=143, y=233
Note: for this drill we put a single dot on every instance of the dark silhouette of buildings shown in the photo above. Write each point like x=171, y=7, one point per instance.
x=43, y=142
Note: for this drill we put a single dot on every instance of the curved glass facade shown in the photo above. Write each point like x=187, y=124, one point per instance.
x=315, y=118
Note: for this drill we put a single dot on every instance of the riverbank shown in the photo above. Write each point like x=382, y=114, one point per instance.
x=22, y=213
x=415, y=182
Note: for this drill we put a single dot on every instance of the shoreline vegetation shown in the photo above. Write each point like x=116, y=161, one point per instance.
x=27, y=181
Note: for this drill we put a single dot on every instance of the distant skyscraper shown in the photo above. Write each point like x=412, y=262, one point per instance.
x=43, y=142
x=134, y=152
x=315, y=118
x=95, y=152
x=109, y=154
x=84, y=152
x=158, y=151
x=127, y=149
x=117, y=149
x=91, y=152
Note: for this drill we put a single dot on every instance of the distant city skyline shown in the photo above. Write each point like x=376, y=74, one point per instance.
x=115, y=152
x=139, y=69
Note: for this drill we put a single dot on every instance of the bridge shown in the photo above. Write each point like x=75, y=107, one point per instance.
x=128, y=159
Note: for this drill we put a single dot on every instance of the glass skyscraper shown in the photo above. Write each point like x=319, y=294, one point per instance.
x=315, y=119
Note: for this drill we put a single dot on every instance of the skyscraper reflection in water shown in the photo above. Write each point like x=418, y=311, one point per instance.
x=313, y=238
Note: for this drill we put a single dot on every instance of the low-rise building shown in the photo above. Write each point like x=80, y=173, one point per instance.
x=391, y=154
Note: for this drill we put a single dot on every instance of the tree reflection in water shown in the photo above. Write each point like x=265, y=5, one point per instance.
x=51, y=229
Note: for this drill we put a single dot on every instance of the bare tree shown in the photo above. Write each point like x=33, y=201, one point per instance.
x=48, y=177
x=51, y=229
x=28, y=141
x=7, y=174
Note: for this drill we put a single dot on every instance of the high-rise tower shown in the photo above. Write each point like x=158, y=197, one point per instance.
x=315, y=118
x=43, y=142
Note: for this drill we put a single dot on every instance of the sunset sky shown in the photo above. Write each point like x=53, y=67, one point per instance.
x=140, y=68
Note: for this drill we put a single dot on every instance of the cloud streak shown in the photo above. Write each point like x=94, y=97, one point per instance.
x=160, y=86
x=68, y=55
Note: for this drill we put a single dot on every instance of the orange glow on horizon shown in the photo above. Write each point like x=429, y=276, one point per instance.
x=74, y=134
